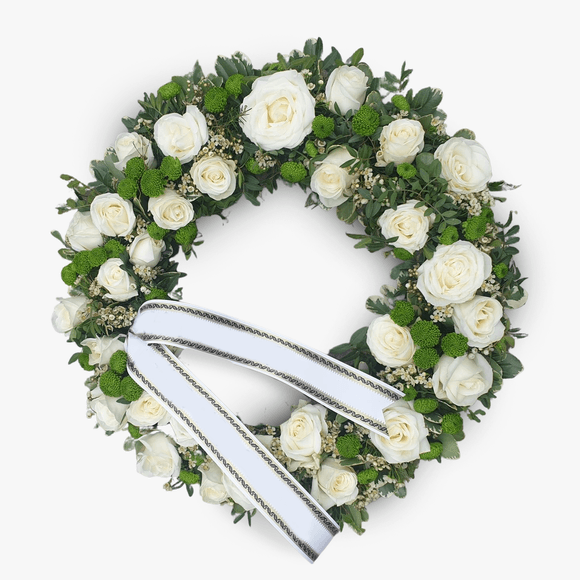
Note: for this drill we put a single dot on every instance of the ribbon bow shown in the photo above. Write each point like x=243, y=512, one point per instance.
x=250, y=465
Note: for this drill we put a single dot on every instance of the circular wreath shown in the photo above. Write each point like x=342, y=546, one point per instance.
x=380, y=155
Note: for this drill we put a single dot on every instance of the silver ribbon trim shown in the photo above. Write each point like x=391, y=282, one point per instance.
x=255, y=471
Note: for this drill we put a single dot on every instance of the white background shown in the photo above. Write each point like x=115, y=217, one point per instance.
x=72, y=502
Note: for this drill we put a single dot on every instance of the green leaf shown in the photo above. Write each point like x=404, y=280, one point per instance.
x=466, y=134
x=346, y=211
x=450, y=447
x=356, y=57
x=510, y=366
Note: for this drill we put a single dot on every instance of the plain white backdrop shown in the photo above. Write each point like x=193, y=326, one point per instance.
x=73, y=505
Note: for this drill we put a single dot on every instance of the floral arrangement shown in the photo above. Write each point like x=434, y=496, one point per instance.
x=360, y=145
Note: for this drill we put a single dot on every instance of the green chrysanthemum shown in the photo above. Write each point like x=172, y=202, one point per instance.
x=501, y=270
x=129, y=389
x=365, y=121
x=82, y=262
x=425, y=406
x=188, y=477
x=84, y=362
x=234, y=85
x=293, y=172
x=402, y=254
x=348, y=445
x=474, y=228
x=169, y=90
x=367, y=476
x=403, y=313
x=487, y=214
x=410, y=393
x=401, y=103
x=434, y=452
x=118, y=362
x=406, y=170
x=97, y=256
x=110, y=384
x=156, y=232
x=186, y=235
x=216, y=99
x=452, y=423
x=425, y=333
x=114, y=249
x=449, y=236
x=171, y=168
x=254, y=167
x=156, y=294
x=127, y=188
x=135, y=168
x=322, y=126
x=454, y=344
x=69, y=274
x=425, y=357
x=311, y=149
x=153, y=183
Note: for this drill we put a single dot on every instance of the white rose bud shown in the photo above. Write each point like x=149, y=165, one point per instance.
x=389, y=343
x=82, y=233
x=145, y=251
x=215, y=176
x=69, y=312
x=409, y=224
x=170, y=211
x=454, y=274
x=400, y=142
x=346, y=87
x=181, y=136
x=334, y=484
x=110, y=414
x=331, y=181
x=146, y=412
x=157, y=456
x=113, y=215
x=181, y=435
x=464, y=164
x=120, y=285
x=130, y=145
x=407, y=434
x=212, y=488
x=102, y=347
x=479, y=319
x=301, y=435
x=462, y=380
x=279, y=111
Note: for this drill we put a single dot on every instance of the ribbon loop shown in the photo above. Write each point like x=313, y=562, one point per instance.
x=247, y=462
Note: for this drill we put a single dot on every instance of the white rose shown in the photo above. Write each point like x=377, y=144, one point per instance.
x=409, y=223
x=400, y=142
x=82, y=233
x=157, y=456
x=102, y=347
x=214, y=176
x=110, y=414
x=390, y=344
x=181, y=136
x=463, y=379
x=479, y=319
x=346, y=87
x=301, y=435
x=130, y=145
x=145, y=251
x=279, y=111
x=407, y=434
x=113, y=215
x=146, y=411
x=69, y=312
x=331, y=181
x=180, y=434
x=171, y=211
x=212, y=488
x=464, y=164
x=454, y=274
x=334, y=484
x=120, y=285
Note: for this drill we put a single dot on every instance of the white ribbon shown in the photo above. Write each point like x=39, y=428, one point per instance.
x=255, y=471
